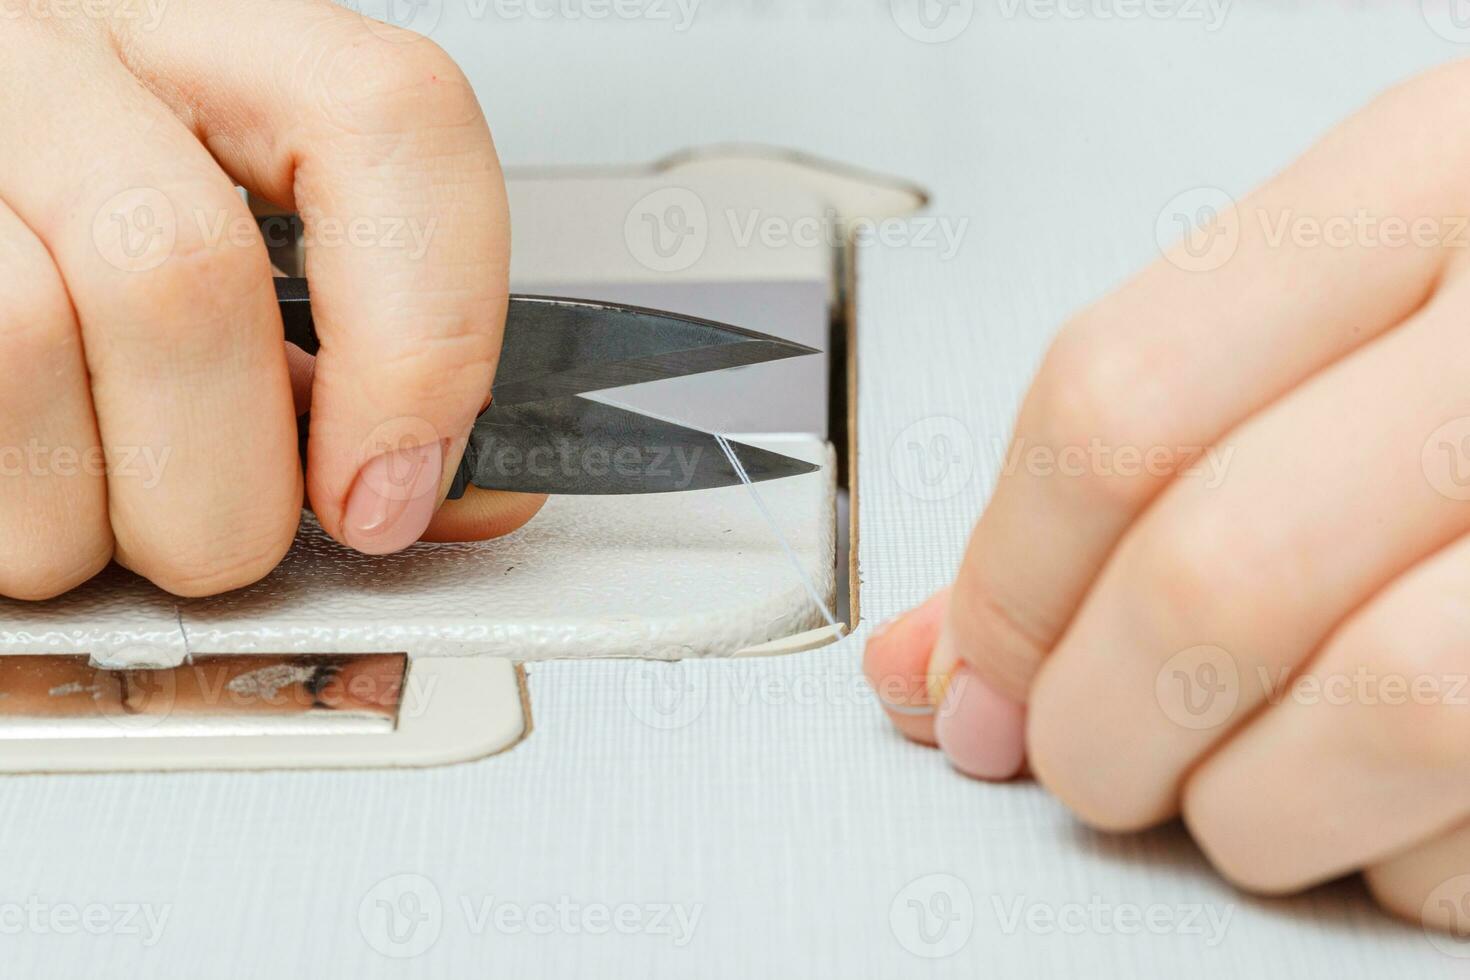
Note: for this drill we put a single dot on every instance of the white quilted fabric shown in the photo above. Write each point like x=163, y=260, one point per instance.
x=664, y=576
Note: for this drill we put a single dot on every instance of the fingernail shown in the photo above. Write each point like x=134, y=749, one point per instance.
x=981, y=732
x=394, y=499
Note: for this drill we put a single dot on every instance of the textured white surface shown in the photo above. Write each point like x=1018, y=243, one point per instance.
x=659, y=576
x=782, y=804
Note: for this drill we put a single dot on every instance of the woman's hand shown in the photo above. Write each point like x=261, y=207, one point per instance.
x=146, y=413
x=1227, y=572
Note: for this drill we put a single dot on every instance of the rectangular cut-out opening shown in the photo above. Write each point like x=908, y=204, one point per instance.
x=68, y=696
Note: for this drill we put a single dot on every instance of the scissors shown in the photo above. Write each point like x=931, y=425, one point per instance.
x=540, y=436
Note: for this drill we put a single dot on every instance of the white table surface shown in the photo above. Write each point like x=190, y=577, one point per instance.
x=773, y=798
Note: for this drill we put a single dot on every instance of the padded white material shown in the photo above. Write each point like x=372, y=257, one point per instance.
x=663, y=576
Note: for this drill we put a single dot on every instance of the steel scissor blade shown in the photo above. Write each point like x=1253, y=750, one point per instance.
x=556, y=347
x=539, y=437
x=575, y=445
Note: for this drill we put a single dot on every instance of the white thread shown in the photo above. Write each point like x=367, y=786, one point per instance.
x=811, y=589
x=739, y=468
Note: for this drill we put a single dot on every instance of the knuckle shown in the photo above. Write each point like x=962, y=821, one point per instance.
x=1434, y=98
x=1101, y=809
x=1078, y=771
x=209, y=563
x=443, y=375
x=1227, y=829
x=1249, y=871
x=35, y=312
x=201, y=283
x=32, y=573
x=1409, y=678
x=1112, y=815
x=1195, y=567
x=1441, y=87
x=372, y=84
x=1401, y=889
x=1096, y=398
x=1014, y=635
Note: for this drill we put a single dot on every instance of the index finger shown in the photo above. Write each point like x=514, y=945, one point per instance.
x=374, y=135
x=1155, y=374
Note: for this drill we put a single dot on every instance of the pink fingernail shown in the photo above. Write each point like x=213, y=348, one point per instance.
x=394, y=499
x=982, y=733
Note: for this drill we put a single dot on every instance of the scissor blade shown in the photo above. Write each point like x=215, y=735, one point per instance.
x=578, y=446
x=557, y=347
